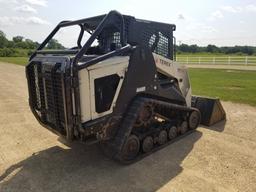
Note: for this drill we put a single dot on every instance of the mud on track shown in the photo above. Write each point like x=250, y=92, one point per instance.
x=221, y=158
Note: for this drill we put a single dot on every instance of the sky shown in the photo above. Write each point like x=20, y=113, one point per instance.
x=201, y=22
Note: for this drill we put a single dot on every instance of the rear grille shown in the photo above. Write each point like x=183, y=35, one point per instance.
x=46, y=94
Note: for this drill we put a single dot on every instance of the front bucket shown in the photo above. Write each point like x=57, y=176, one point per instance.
x=211, y=110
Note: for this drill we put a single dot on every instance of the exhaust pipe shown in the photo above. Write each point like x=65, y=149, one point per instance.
x=211, y=110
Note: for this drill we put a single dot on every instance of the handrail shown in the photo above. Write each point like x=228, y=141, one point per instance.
x=105, y=56
x=58, y=51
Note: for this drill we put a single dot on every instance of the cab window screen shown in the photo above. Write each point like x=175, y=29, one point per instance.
x=105, y=89
x=159, y=44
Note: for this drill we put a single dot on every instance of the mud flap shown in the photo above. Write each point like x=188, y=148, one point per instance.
x=211, y=110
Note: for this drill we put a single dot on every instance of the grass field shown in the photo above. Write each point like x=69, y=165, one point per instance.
x=15, y=60
x=230, y=85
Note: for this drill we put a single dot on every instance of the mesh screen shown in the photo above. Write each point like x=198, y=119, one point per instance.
x=46, y=94
x=159, y=44
x=110, y=39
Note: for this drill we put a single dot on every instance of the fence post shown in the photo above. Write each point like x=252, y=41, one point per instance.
x=246, y=60
x=229, y=60
x=187, y=60
x=213, y=60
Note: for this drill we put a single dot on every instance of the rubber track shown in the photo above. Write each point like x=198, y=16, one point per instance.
x=130, y=119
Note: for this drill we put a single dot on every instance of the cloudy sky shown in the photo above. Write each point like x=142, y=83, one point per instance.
x=202, y=22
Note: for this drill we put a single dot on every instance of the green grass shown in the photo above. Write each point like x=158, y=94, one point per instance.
x=229, y=85
x=16, y=60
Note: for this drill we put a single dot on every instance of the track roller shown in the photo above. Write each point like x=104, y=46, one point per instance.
x=147, y=144
x=173, y=132
x=183, y=127
x=194, y=119
x=130, y=149
x=162, y=137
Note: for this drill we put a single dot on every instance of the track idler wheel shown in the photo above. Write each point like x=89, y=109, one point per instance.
x=173, y=132
x=130, y=149
x=183, y=127
x=162, y=137
x=147, y=144
x=146, y=115
x=194, y=119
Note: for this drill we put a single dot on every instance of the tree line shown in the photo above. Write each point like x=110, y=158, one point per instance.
x=22, y=47
x=239, y=50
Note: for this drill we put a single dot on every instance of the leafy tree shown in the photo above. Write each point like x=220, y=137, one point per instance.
x=183, y=48
x=22, y=45
x=17, y=39
x=193, y=48
x=6, y=52
x=30, y=44
x=54, y=44
x=212, y=49
x=10, y=44
x=188, y=48
x=3, y=40
x=248, y=50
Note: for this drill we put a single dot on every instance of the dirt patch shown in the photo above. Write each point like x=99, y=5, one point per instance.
x=234, y=87
x=220, y=158
x=233, y=71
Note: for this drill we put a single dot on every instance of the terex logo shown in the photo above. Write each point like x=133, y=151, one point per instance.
x=163, y=62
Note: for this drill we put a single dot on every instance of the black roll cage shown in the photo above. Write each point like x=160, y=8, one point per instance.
x=110, y=18
x=95, y=25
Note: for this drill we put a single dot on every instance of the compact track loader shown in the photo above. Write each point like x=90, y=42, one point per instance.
x=125, y=91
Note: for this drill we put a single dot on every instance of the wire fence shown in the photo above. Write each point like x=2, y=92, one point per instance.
x=217, y=60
